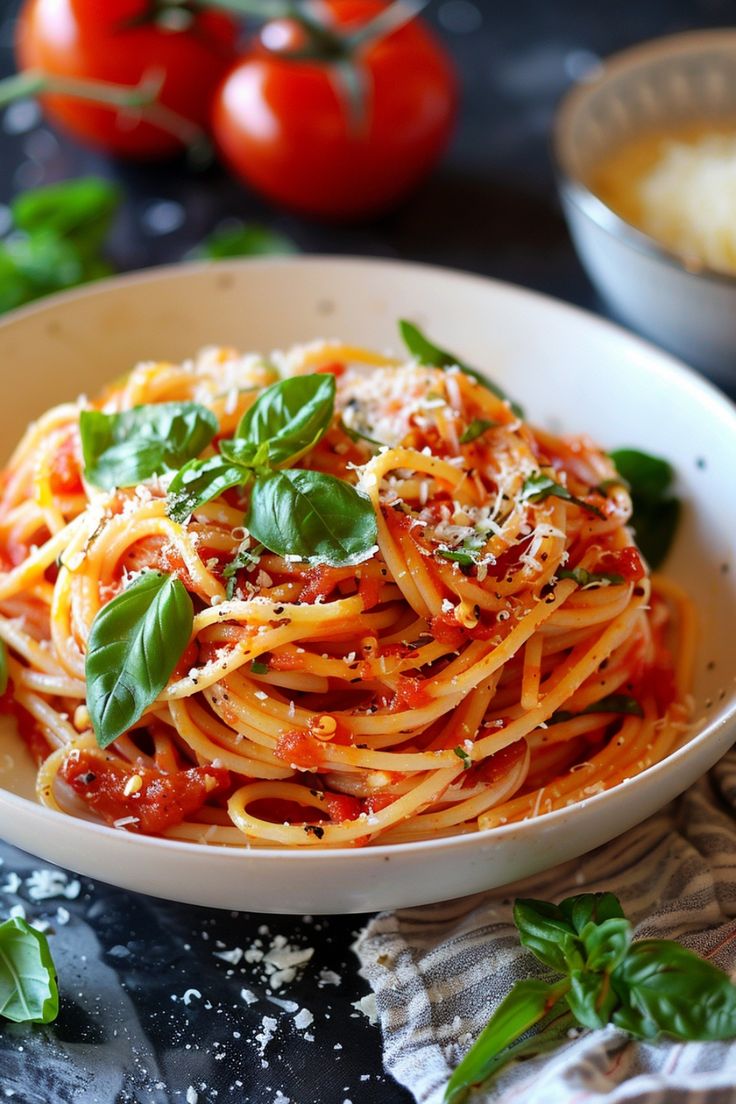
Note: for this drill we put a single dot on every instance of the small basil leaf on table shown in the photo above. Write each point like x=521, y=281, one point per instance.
x=665, y=987
x=135, y=643
x=28, y=990
x=312, y=515
x=656, y=512
x=527, y=1003
x=426, y=352
x=3, y=667
x=538, y=487
x=122, y=450
x=291, y=416
x=200, y=481
x=78, y=211
x=548, y=935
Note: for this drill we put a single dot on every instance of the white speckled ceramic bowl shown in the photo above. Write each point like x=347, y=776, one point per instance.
x=570, y=370
x=650, y=88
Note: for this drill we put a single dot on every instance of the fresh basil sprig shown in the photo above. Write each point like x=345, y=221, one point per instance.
x=28, y=989
x=646, y=988
x=293, y=513
x=122, y=450
x=656, y=511
x=426, y=352
x=312, y=515
x=284, y=422
x=538, y=487
x=135, y=643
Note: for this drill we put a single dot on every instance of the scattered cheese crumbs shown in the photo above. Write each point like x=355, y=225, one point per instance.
x=17, y=910
x=261, y=695
x=367, y=1006
x=43, y=884
x=233, y=957
x=280, y=1098
x=248, y=996
x=189, y=995
x=63, y=916
x=267, y=1032
x=286, y=1005
x=192, y=1095
x=303, y=1019
x=328, y=977
x=122, y=822
x=13, y=884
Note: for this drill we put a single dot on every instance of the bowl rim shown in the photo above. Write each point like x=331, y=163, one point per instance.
x=576, y=191
x=666, y=367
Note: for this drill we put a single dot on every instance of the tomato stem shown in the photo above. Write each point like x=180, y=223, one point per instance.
x=142, y=98
x=385, y=23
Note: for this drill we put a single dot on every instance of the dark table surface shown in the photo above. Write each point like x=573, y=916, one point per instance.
x=149, y=1011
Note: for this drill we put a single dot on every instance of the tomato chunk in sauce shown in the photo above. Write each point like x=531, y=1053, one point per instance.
x=158, y=802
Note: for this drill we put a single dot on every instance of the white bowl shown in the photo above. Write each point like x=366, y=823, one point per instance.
x=570, y=370
x=650, y=88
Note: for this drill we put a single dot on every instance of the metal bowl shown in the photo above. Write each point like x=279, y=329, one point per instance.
x=651, y=88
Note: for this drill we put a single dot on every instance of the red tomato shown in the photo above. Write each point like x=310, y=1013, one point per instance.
x=109, y=40
x=161, y=801
x=285, y=127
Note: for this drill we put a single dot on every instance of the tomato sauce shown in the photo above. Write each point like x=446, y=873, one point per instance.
x=299, y=747
x=162, y=801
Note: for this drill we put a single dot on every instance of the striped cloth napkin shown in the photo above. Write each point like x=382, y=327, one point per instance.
x=439, y=971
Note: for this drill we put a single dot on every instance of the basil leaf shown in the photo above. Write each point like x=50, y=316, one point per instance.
x=647, y=476
x=427, y=353
x=606, y=943
x=78, y=211
x=200, y=481
x=258, y=668
x=28, y=990
x=656, y=513
x=476, y=429
x=538, y=487
x=243, y=241
x=312, y=515
x=544, y=930
x=664, y=987
x=585, y=578
x=291, y=416
x=3, y=667
x=527, y=1003
x=458, y=556
x=121, y=450
x=591, y=998
x=612, y=703
x=590, y=908
x=655, y=525
x=135, y=643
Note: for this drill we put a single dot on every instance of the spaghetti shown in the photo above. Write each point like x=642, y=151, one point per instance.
x=500, y=651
